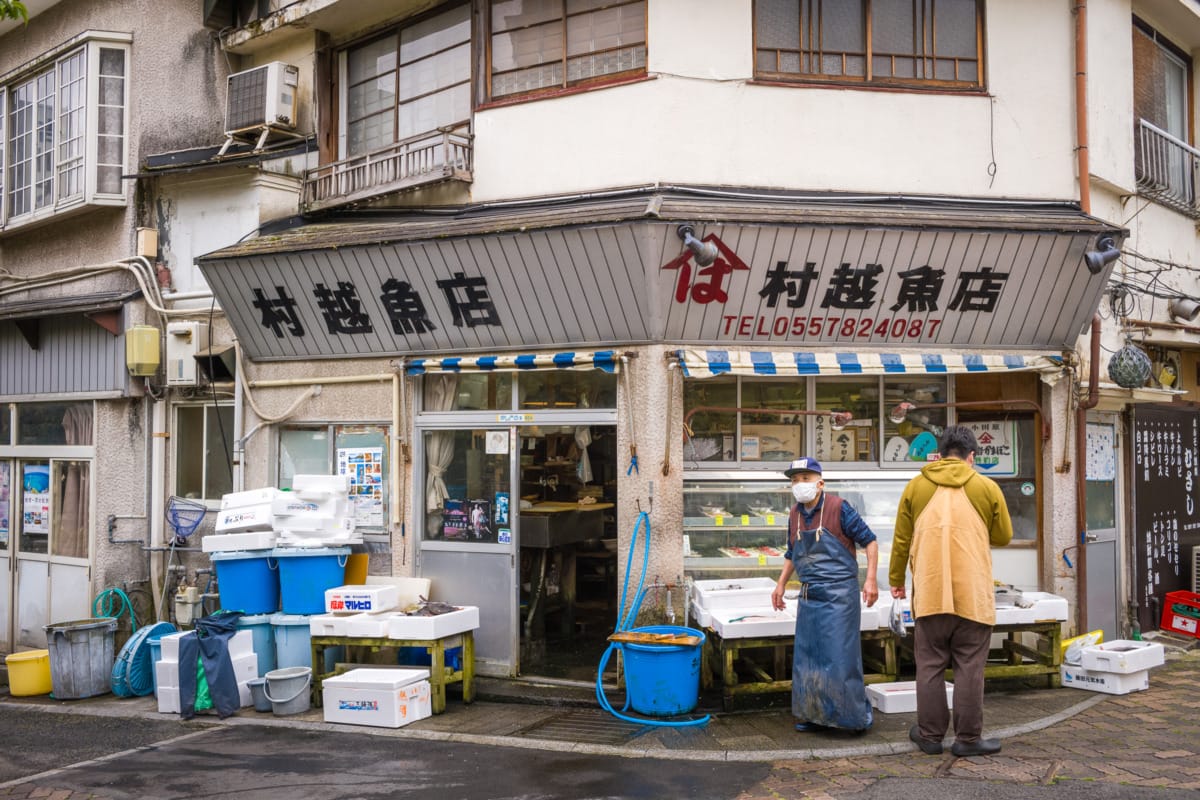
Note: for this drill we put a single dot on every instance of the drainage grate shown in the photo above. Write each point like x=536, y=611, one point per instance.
x=586, y=726
x=1000, y=768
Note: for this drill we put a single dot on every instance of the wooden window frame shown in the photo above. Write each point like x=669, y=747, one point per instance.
x=566, y=86
x=920, y=56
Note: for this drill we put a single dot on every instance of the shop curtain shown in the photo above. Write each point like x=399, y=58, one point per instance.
x=441, y=394
x=70, y=537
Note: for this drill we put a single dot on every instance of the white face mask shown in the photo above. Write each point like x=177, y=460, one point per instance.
x=804, y=492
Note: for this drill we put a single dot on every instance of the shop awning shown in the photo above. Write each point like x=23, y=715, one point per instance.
x=710, y=363
x=605, y=360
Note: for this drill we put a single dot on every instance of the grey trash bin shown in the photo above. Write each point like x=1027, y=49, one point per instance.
x=81, y=657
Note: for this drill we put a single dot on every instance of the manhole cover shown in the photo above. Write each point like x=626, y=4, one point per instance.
x=1000, y=768
x=587, y=726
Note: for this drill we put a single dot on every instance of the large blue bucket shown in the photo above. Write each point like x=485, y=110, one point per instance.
x=663, y=680
x=305, y=574
x=247, y=582
x=292, y=640
x=263, y=635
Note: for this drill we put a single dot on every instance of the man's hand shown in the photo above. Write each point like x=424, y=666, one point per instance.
x=777, y=598
x=898, y=592
x=870, y=591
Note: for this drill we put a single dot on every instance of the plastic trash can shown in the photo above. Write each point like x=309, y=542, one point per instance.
x=81, y=657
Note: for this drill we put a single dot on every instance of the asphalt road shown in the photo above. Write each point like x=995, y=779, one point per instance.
x=121, y=758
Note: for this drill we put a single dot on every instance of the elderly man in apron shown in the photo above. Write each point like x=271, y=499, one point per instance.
x=827, y=673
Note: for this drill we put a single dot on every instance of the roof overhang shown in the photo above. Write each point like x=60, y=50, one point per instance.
x=836, y=271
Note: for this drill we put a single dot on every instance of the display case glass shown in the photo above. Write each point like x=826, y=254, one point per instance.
x=735, y=523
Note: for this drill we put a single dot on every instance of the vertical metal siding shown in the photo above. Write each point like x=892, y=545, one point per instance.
x=74, y=356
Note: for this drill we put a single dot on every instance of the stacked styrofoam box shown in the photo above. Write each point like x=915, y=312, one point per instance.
x=232, y=542
x=745, y=623
x=166, y=670
x=402, y=626
x=356, y=610
x=362, y=598
x=246, y=511
x=384, y=698
x=899, y=697
x=316, y=513
x=1043, y=607
x=1117, y=667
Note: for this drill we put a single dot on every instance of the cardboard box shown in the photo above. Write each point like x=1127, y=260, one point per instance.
x=1106, y=682
x=900, y=697
x=382, y=698
x=401, y=626
x=1122, y=656
x=1181, y=613
x=362, y=598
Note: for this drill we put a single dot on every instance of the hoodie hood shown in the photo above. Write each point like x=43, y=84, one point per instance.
x=949, y=472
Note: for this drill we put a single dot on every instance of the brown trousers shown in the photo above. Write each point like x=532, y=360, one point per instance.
x=945, y=641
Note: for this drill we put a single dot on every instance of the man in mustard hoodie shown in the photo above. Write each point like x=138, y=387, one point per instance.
x=949, y=518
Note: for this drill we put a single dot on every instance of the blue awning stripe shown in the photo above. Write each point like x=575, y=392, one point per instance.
x=710, y=363
x=605, y=360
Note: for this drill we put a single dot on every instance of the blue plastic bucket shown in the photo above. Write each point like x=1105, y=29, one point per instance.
x=663, y=680
x=263, y=635
x=305, y=574
x=247, y=582
x=292, y=641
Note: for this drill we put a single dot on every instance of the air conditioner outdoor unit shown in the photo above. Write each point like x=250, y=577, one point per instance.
x=263, y=97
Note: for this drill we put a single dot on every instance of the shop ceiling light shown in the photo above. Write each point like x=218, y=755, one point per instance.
x=1105, y=253
x=705, y=252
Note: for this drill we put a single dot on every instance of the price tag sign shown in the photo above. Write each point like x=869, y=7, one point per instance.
x=745, y=519
x=770, y=518
x=718, y=521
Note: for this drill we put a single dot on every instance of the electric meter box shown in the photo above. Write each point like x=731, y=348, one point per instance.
x=141, y=350
x=184, y=341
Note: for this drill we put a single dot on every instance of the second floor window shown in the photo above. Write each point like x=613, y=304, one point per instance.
x=918, y=43
x=63, y=134
x=542, y=45
x=410, y=82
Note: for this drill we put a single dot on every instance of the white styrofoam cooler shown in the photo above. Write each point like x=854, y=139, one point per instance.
x=744, y=623
x=410, y=591
x=166, y=673
x=373, y=626
x=235, y=542
x=328, y=624
x=244, y=518
x=383, y=698
x=250, y=497
x=900, y=697
x=362, y=598
x=737, y=593
x=1106, y=682
x=1122, y=656
x=402, y=626
x=316, y=485
x=701, y=616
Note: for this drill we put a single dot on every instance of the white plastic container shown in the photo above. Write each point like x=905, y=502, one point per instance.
x=733, y=593
x=250, y=497
x=899, y=697
x=361, y=598
x=869, y=618
x=400, y=626
x=256, y=517
x=1122, y=656
x=233, y=542
x=370, y=626
x=382, y=698
x=328, y=624
x=1013, y=615
x=760, y=621
x=1106, y=682
x=1047, y=606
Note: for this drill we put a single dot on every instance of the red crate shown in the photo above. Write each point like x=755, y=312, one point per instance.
x=1181, y=613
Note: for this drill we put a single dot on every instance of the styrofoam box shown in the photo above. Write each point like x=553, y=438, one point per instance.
x=383, y=698
x=313, y=524
x=371, y=625
x=168, y=696
x=1047, y=606
x=169, y=647
x=234, y=542
x=241, y=644
x=701, y=616
x=1106, y=682
x=328, y=624
x=244, y=518
x=166, y=675
x=739, y=593
x=289, y=504
x=401, y=626
x=245, y=667
x=313, y=540
x=410, y=591
x=869, y=619
x=327, y=484
x=1122, y=655
x=743, y=623
x=1013, y=615
x=361, y=598
x=250, y=497
x=900, y=697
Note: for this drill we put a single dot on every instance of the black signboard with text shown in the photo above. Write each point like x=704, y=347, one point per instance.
x=1166, y=512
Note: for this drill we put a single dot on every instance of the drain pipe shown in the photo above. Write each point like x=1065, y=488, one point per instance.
x=1081, y=409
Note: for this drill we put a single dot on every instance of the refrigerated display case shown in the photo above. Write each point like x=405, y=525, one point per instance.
x=735, y=523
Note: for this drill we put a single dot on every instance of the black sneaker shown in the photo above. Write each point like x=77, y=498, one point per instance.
x=983, y=747
x=928, y=746
x=810, y=727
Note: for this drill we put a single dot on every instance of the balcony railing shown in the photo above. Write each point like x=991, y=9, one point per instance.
x=1167, y=169
x=441, y=155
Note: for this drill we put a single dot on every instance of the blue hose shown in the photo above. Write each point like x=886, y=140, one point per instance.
x=625, y=623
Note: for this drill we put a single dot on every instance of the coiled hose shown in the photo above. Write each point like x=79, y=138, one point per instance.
x=113, y=603
x=626, y=622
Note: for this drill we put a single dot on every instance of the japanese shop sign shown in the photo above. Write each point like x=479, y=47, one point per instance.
x=630, y=282
x=997, y=453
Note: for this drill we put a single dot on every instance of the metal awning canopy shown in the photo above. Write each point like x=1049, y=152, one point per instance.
x=844, y=272
x=799, y=363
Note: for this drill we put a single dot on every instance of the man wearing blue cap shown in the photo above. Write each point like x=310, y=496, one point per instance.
x=827, y=673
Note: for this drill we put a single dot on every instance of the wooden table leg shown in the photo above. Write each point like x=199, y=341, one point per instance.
x=437, y=675
x=318, y=675
x=728, y=674
x=468, y=666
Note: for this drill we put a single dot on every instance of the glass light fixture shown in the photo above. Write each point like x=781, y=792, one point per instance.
x=900, y=412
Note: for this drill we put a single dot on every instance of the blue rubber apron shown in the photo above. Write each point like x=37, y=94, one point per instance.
x=827, y=672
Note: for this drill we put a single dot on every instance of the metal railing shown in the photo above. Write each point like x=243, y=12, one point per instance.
x=444, y=154
x=1167, y=169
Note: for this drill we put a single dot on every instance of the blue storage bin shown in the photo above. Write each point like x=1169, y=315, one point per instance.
x=263, y=635
x=292, y=640
x=419, y=657
x=247, y=581
x=305, y=574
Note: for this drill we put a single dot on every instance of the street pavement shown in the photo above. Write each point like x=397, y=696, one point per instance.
x=1055, y=741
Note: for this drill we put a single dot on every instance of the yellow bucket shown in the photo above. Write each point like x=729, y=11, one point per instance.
x=356, y=569
x=28, y=673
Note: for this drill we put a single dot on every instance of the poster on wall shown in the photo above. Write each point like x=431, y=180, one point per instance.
x=364, y=466
x=1166, y=512
x=1101, y=452
x=35, y=498
x=5, y=482
x=997, y=454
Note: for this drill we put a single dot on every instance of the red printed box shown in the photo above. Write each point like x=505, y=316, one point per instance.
x=1181, y=613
